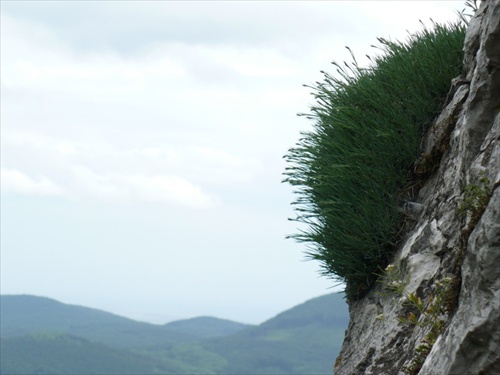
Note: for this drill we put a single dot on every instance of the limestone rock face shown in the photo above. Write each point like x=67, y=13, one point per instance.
x=454, y=241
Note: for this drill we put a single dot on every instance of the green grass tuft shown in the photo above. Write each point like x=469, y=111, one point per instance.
x=349, y=170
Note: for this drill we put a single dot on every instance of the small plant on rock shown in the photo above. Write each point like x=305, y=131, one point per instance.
x=476, y=197
x=431, y=317
x=394, y=280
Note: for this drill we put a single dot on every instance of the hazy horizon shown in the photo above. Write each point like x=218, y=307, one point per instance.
x=142, y=145
x=162, y=322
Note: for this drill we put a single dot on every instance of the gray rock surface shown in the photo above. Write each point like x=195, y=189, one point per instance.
x=443, y=242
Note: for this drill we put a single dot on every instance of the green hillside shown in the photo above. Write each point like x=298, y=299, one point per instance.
x=65, y=354
x=24, y=315
x=205, y=326
x=302, y=340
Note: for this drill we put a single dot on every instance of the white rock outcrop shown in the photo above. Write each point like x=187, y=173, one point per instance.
x=456, y=237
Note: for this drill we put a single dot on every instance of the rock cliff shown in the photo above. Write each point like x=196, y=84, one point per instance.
x=436, y=308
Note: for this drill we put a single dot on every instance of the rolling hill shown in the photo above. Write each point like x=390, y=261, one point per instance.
x=62, y=354
x=65, y=354
x=304, y=339
x=24, y=315
x=206, y=326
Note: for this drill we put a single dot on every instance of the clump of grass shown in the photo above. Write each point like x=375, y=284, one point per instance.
x=349, y=170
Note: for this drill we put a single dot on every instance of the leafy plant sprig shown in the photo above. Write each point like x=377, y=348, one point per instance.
x=476, y=197
x=431, y=316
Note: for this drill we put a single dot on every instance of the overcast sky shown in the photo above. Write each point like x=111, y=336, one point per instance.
x=142, y=146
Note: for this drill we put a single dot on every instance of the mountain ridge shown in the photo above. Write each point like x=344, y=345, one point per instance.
x=298, y=340
x=21, y=315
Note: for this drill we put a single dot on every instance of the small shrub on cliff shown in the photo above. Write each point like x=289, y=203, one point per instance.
x=476, y=197
x=350, y=168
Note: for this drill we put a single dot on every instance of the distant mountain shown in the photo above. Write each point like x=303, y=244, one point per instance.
x=302, y=340
x=205, y=326
x=24, y=315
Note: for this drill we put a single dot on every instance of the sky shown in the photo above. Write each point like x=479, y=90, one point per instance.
x=142, y=147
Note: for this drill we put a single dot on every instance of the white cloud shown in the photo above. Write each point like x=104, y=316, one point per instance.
x=219, y=156
x=138, y=25
x=170, y=175
x=14, y=181
x=169, y=189
x=251, y=62
x=163, y=156
x=129, y=188
x=81, y=182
